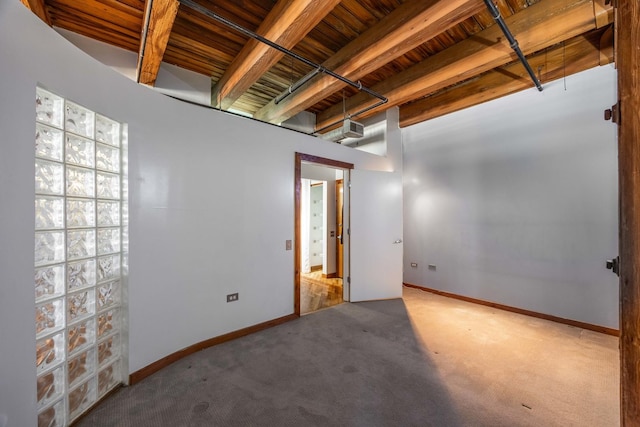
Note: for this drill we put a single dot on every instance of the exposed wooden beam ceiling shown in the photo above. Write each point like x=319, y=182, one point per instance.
x=403, y=50
x=536, y=27
x=286, y=24
x=577, y=54
x=158, y=23
x=39, y=8
x=405, y=28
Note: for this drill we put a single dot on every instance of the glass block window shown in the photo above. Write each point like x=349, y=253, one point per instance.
x=81, y=241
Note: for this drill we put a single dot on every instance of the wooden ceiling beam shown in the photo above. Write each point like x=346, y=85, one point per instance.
x=575, y=55
x=603, y=12
x=158, y=23
x=407, y=27
x=536, y=27
x=39, y=9
x=288, y=22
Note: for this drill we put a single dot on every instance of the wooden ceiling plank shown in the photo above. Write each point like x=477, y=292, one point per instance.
x=536, y=27
x=128, y=17
x=62, y=18
x=39, y=8
x=402, y=30
x=186, y=31
x=200, y=23
x=188, y=46
x=158, y=23
x=578, y=54
x=288, y=22
x=103, y=32
x=362, y=14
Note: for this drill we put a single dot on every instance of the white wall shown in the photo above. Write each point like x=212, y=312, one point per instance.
x=199, y=227
x=515, y=201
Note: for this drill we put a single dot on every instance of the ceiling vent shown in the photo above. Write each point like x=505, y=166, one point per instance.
x=349, y=129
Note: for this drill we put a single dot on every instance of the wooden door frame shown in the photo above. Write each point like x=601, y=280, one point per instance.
x=627, y=29
x=297, y=192
x=339, y=217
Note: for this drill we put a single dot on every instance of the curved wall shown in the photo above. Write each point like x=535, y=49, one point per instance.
x=211, y=205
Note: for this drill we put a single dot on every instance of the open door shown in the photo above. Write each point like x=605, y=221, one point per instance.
x=339, y=228
x=376, y=235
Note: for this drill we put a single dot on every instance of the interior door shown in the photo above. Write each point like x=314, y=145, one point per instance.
x=376, y=235
x=340, y=230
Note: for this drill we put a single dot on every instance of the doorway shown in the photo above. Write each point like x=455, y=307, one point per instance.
x=317, y=284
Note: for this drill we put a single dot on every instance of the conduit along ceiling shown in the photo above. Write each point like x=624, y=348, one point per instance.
x=349, y=58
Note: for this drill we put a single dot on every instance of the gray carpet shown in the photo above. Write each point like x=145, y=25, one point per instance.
x=425, y=360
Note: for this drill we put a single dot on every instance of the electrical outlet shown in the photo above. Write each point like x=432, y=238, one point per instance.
x=414, y=264
x=287, y=245
x=432, y=267
x=232, y=297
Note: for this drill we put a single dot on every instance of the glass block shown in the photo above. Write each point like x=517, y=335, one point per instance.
x=53, y=416
x=50, y=386
x=79, y=151
x=108, y=267
x=80, y=305
x=80, y=367
x=49, y=108
x=81, y=336
x=108, y=213
x=80, y=182
x=48, y=142
x=108, y=378
x=49, y=177
x=49, y=212
x=49, y=247
x=78, y=120
x=81, y=398
x=49, y=352
x=49, y=282
x=107, y=158
x=81, y=244
x=108, y=350
x=108, y=240
x=108, y=322
x=49, y=317
x=107, y=130
x=81, y=213
x=81, y=274
x=108, y=185
x=107, y=294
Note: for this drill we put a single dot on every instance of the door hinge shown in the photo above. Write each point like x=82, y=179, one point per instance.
x=613, y=113
x=614, y=265
x=349, y=279
x=349, y=184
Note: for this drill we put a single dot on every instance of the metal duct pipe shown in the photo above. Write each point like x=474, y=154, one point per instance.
x=297, y=85
x=495, y=13
x=195, y=6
